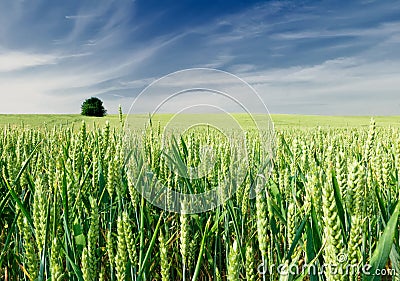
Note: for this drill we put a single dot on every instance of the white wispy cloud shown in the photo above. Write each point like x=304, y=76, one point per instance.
x=12, y=60
x=219, y=61
x=382, y=30
x=73, y=17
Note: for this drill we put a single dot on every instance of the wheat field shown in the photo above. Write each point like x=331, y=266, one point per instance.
x=71, y=206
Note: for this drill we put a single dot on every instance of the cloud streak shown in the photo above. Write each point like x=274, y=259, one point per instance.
x=12, y=61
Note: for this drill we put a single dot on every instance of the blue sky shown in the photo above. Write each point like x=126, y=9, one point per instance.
x=305, y=57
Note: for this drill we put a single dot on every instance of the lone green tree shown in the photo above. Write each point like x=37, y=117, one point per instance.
x=93, y=107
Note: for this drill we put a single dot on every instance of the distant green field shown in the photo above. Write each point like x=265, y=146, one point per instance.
x=51, y=120
x=280, y=120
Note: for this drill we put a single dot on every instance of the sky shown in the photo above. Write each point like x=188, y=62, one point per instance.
x=301, y=57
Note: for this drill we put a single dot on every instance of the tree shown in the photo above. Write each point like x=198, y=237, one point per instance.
x=93, y=107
